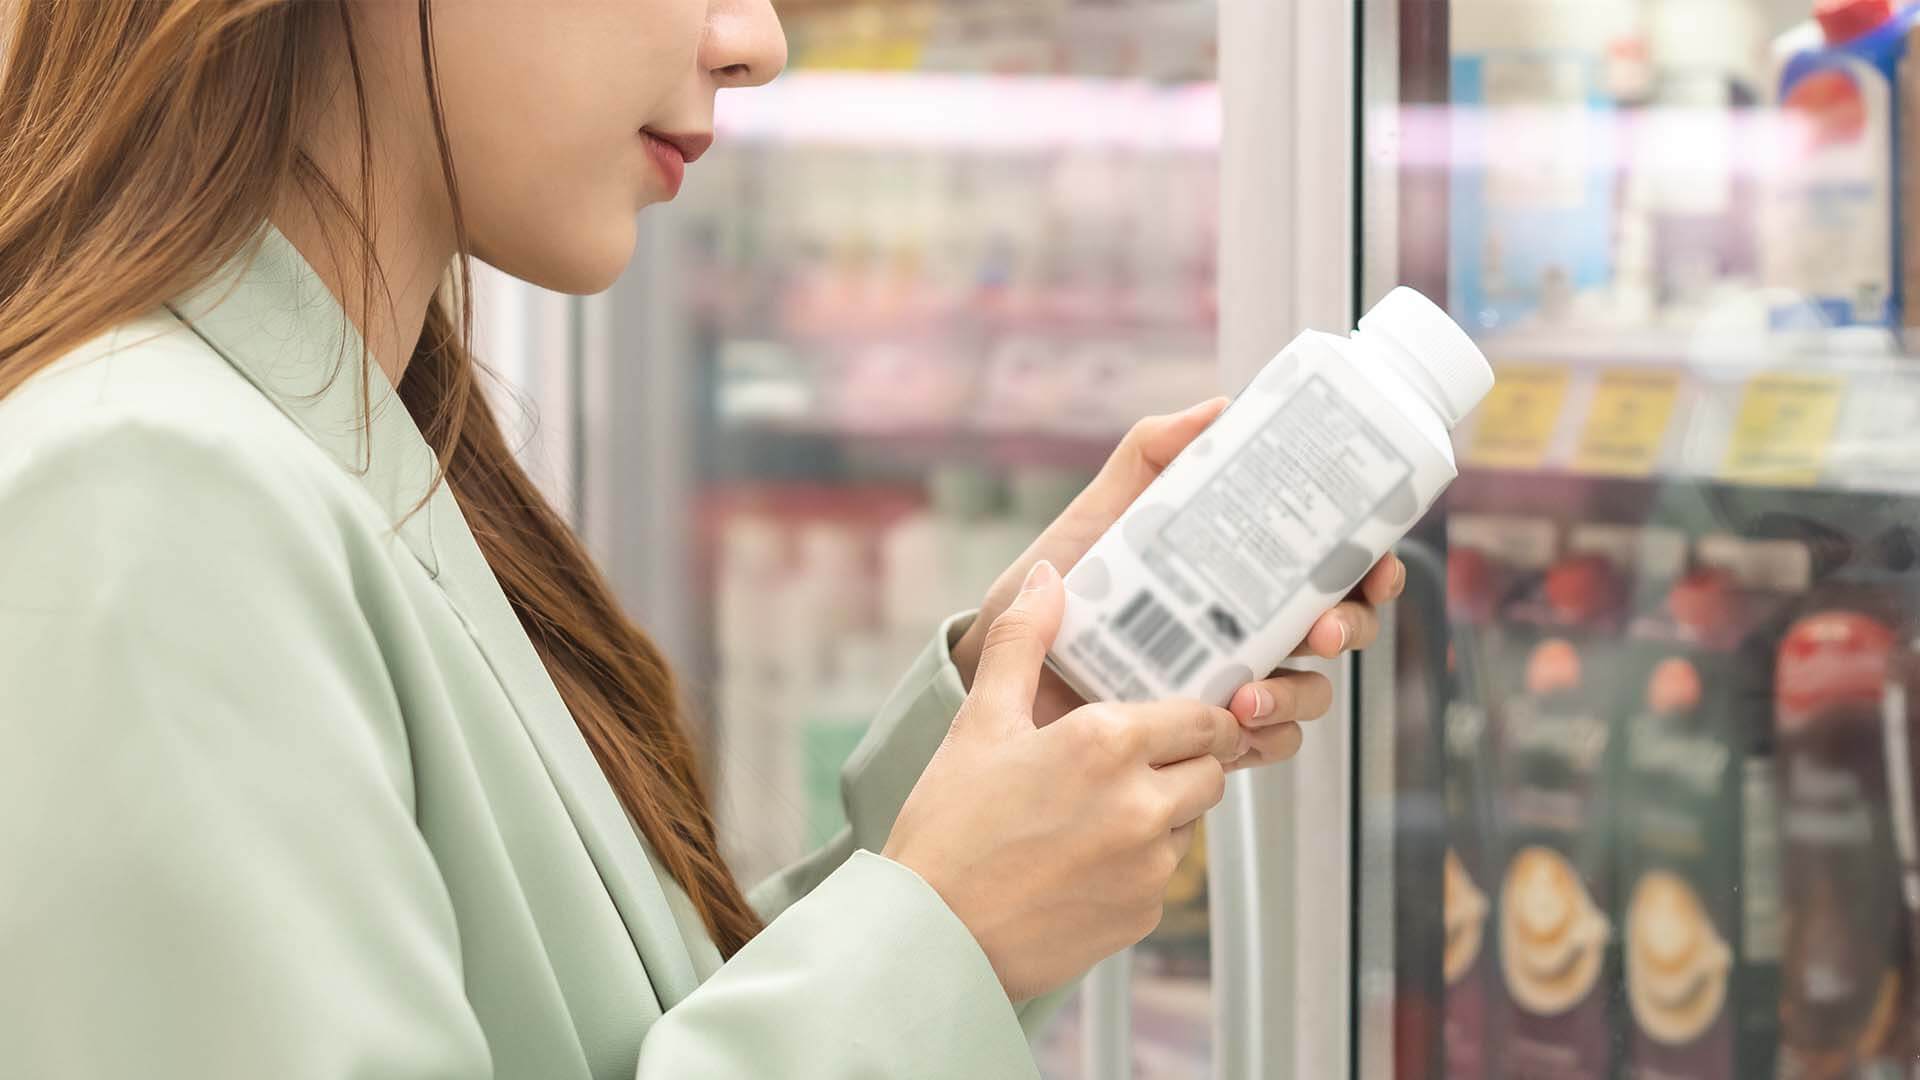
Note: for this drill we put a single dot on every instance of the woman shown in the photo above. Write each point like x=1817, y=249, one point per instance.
x=324, y=751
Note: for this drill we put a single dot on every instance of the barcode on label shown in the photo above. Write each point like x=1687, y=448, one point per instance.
x=1159, y=637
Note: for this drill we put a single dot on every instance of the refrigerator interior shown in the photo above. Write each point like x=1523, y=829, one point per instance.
x=1636, y=786
x=900, y=316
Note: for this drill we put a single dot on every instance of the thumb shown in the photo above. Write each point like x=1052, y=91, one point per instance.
x=1011, y=655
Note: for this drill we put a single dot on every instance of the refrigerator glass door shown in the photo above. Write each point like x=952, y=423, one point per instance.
x=902, y=313
x=1636, y=768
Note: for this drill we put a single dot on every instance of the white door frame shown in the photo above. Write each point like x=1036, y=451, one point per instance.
x=1280, y=846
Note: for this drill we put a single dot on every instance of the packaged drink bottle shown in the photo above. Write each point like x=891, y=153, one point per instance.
x=1901, y=733
x=1699, y=904
x=1842, y=981
x=1533, y=221
x=1469, y=864
x=1275, y=513
x=1841, y=207
x=1557, y=760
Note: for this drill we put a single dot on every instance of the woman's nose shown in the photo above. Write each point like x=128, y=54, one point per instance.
x=744, y=45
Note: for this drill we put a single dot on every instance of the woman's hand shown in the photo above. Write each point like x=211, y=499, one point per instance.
x=1271, y=709
x=1055, y=844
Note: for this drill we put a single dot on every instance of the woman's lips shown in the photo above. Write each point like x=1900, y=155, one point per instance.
x=668, y=159
x=673, y=153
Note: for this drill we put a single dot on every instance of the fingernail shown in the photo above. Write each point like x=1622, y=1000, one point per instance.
x=1400, y=578
x=1346, y=634
x=1262, y=702
x=1039, y=577
x=1242, y=745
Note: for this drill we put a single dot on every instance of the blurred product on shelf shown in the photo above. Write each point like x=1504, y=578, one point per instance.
x=1621, y=164
x=1842, y=216
x=1560, y=755
x=1172, y=1016
x=1488, y=558
x=759, y=817
x=1154, y=39
x=934, y=561
x=1532, y=146
x=1902, y=712
x=1847, y=979
x=837, y=711
x=866, y=574
x=795, y=579
x=1040, y=262
x=840, y=666
x=1699, y=904
x=1689, y=196
x=1178, y=946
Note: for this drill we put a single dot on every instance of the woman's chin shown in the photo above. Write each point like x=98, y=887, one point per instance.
x=589, y=264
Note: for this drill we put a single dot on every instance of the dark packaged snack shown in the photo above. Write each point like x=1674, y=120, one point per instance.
x=1554, y=944
x=1491, y=560
x=1467, y=963
x=1559, y=761
x=1901, y=709
x=1699, y=904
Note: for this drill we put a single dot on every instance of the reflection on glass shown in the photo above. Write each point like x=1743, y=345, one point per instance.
x=1653, y=743
x=1172, y=1020
x=934, y=272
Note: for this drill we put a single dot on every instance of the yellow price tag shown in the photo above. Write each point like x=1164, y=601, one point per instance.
x=1627, y=422
x=1782, y=430
x=1519, y=417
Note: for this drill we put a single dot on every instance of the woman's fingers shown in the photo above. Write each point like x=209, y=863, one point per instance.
x=1162, y=732
x=1287, y=697
x=1183, y=838
x=1385, y=582
x=1190, y=788
x=1351, y=626
x=1269, y=746
x=1355, y=623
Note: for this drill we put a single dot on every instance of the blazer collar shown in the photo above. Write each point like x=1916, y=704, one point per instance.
x=272, y=317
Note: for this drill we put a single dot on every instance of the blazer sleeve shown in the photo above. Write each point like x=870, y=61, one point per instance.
x=207, y=840
x=860, y=954
x=881, y=773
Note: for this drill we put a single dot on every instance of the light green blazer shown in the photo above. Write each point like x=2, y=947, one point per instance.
x=286, y=794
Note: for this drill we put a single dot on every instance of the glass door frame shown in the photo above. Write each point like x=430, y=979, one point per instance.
x=1281, y=846
x=1401, y=82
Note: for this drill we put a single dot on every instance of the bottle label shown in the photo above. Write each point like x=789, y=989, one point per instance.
x=1270, y=517
x=1276, y=509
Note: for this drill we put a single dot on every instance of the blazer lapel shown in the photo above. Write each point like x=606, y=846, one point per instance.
x=274, y=320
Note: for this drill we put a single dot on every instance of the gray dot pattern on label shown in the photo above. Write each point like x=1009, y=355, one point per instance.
x=1091, y=579
x=1219, y=689
x=1342, y=569
x=1143, y=525
x=1401, y=504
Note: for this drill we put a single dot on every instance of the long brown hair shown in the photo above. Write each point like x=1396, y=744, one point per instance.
x=142, y=143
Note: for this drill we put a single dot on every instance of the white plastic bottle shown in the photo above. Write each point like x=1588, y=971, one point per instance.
x=1275, y=513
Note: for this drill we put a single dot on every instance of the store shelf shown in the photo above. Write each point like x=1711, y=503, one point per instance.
x=973, y=112
x=1162, y=39
x=1060, y=387
x=1834, y=412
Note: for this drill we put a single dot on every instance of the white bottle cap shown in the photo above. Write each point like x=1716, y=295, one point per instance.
x=1458, y=372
